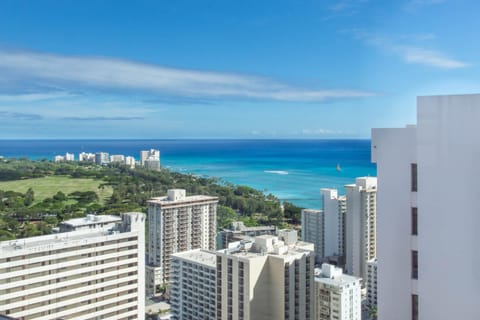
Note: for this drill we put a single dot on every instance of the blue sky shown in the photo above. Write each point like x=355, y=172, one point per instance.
x=228, y=69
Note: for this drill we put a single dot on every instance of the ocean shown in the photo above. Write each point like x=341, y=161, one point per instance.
x=292, y=170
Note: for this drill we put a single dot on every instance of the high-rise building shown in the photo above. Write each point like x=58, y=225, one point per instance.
x=326, y=228
x=428, y=212
x=177, y=223
x=269, y=279
x=371, y=283
x=313, y=231
x=337, y=295
x=334, y=208
x=360, y=226
x=84, y=274
x=152, y=164
x=69, y=157
x=151, y=154
x=193, y=285
x=119, y=158
x=86, y=157
x=102, y=158
x=130, y=162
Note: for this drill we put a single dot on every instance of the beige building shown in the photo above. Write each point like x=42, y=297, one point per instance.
x=86, y=274
x=177, y=223
x=271, y=278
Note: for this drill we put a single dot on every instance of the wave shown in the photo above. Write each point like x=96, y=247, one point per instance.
x=276, y=171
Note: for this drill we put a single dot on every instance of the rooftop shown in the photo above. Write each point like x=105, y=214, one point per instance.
x=332, y=275
x=92, y=219
x=199, y=256
x=268, y=245
x=49, y=242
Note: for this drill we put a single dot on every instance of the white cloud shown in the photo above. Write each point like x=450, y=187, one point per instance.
x=429, y=57
x=30, y=97
x=74, y=72
x=408, y=53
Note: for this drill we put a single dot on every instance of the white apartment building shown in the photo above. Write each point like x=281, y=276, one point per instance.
x=360, y=225
x=334, y=208
x=193, y=285
x=130, y=162
x=86, y=157
x=85, y=274
x=152, y=164
x=337, y=295
x=120, y=158
x=151, y=154
x=66, y=157
x=69, y=157
x=271, y=278
x=102, y=158
x=326, y=228
x=372, y=283
x=177, y=223
x=428, y=208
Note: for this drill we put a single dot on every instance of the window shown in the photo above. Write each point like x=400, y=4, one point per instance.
x=414, y=221
x=414, y=307
x=414, y=176
x=414, y=264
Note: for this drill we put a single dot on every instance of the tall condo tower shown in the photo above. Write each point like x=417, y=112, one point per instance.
x=177, y=223
x=428, y=222
x=326, y=228
x=360, y=226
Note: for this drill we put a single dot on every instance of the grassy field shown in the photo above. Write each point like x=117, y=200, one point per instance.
x=46, y=187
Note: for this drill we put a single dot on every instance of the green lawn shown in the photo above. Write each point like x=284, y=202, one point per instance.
x=46, y=187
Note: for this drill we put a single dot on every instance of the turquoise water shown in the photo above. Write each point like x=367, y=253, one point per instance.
x=292, y=170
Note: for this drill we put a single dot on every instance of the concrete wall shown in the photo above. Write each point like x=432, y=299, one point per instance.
x=448, y=206
x=394, y=150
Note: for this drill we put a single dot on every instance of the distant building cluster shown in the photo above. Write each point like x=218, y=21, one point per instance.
x=371, y=253
x=66, y=157
x=149, y=159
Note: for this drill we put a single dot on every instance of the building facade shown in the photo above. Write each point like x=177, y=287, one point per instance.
x=102, y=158
x=334, y=208
x=360, y=225
x=271, y=278
x=371, y=283
x=193, y=285
x=337, y=295
x=177, y=223
x=428, y=212
x=313, y=229
x=85, y=274
x=151, y=154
